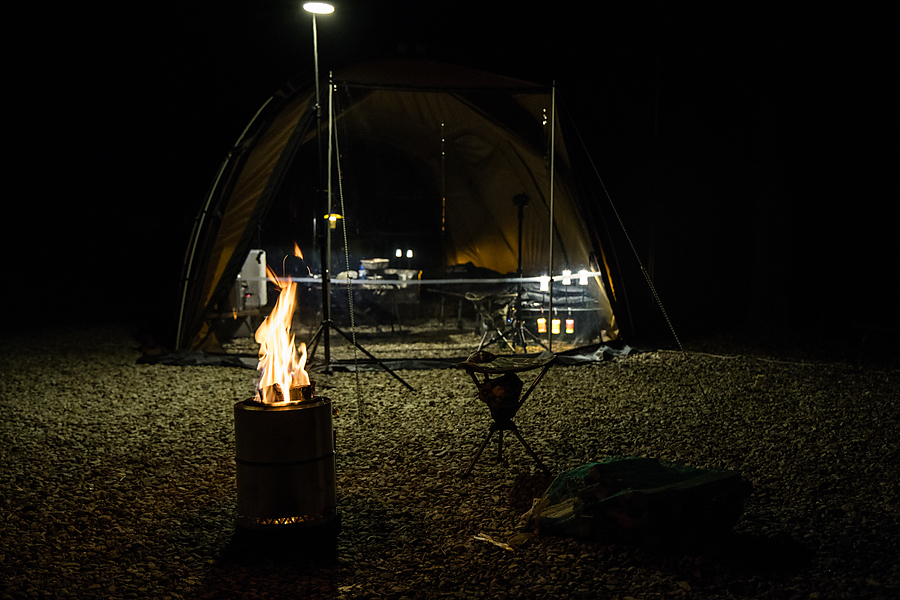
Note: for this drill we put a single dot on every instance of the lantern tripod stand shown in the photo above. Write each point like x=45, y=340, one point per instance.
x=514, y=333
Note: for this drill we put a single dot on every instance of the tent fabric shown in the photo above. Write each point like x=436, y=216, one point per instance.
x=483, y=156
x=423, y=149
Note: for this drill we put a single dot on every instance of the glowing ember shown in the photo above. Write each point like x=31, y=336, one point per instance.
x=280, y=361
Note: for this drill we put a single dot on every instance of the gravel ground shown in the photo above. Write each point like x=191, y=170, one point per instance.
x=118, y=478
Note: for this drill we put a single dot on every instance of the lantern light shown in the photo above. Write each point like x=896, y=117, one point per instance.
x=333, y=219
x=545, y=283
x=398, y=253
x=554, y=326
x=318, y=8
x=542, y=325
x=583, y=277
x=567, y=277
x=409, y=254
x=570, y=325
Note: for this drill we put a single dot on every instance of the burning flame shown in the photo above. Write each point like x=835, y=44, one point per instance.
x=280, y=361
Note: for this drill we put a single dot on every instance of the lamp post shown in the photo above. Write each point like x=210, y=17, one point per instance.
x=322, y=8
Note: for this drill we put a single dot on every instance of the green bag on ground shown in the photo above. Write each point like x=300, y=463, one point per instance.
x=641, y=498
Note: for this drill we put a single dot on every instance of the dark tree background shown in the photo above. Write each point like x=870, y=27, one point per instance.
x=745, y=146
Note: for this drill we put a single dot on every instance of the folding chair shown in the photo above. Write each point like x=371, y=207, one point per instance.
x=501, y=394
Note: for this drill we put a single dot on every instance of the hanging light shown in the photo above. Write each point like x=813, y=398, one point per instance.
x=398, y=253
x=545, y=283
x=318, y=8
x=409, y=254
x=567, y=277
x=570, y=325
x=542, y=325
x=554, y=326
x=583, y=277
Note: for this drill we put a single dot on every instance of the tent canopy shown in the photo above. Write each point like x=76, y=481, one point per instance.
x=425, y=156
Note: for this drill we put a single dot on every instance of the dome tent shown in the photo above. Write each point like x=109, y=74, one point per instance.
x=428, y=152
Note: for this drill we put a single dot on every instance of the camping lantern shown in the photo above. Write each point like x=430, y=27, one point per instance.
x=567, y=277
x=545, y=283
x=285, y=463
x=542, y=325
x=570, y=325
x=582, y=277
x=332, y=220
x=554, y=326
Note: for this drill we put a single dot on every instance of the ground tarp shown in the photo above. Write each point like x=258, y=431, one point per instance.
x=587, y=355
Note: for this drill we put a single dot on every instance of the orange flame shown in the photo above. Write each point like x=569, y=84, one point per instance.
x=281, y=363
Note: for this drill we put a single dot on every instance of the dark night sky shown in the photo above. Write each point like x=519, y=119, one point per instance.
x=746, y=147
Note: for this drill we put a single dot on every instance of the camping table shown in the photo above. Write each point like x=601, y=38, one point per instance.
x=502, y=394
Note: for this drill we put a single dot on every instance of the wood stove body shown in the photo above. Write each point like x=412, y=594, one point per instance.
x=285, y=465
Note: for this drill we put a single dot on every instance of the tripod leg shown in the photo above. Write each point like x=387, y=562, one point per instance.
x=534, y=337
x=528, y=449
x=519, y=335
x=505, y=341
x=366, y=352
x=484, y=335
x=481, y=448
x=314, y=340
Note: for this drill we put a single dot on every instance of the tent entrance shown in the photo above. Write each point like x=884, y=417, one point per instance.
x=428, y=161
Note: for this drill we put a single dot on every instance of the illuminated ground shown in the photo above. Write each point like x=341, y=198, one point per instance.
x=118, y=478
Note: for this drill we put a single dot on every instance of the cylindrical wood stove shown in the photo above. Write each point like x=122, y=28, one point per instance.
x=285, y=465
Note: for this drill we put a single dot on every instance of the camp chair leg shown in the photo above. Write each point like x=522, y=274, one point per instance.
x=481, y=448
x=500, y=429
x=528, y=449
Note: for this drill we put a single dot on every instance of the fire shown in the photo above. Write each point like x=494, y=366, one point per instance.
x=281, y=363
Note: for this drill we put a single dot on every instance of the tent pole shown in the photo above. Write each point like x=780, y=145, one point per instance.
x=443, y=187
x=328, y=202
x=188, y=263
x=552, y=173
